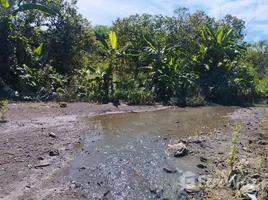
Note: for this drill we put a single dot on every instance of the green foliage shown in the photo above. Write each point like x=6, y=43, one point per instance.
x=49, y=51
x=262, y=87
x=129, y=90
x=4, y=110
x=5, y=3
x=35, y=6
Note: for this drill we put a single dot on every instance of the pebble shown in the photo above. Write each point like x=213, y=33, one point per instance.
x=170, y=170
x=53, y=135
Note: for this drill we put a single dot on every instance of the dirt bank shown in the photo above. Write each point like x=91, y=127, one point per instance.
x=250, y=170
x=38, y=141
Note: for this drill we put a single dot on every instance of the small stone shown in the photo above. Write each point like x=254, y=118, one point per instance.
x=40, y=158
x=191, y=189
x=246, y=149
x=63, y=104
x=72, y=186
x=202, y=159
x=81, y=169
x=261, y=142
x=170, y=170
x=255, y=176
x=53, y=135
x=54, y=153
x=201, y=166
x=177, y=150
x=248, y=189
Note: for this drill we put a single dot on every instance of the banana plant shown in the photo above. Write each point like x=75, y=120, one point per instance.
x=161, y=65
x=113, y=54
x=217, y=60
x=219, y=46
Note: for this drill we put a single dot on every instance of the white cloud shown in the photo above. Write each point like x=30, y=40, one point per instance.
x=254, y=12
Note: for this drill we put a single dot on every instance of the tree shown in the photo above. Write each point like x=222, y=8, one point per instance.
x=9, y=11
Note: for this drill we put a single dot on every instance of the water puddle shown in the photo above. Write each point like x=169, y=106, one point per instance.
x=123, y=155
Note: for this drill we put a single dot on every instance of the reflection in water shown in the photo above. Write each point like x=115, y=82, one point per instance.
x=124, y=153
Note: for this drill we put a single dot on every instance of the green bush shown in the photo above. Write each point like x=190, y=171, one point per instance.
x=262, y=87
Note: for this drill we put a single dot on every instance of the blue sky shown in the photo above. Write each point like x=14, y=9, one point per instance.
x=253, y=12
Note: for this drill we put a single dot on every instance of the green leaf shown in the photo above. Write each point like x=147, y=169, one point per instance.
x=195, y=58
x=129, y=52
x=60, y=90
x=149, y=41
x=220, y=64
x=145, y=69
x=163, y=78
x=209, y=30
x=171, y=61
x=38, y=51
x=219, y=34
x=5, y=3
x=102, y=40
x=113, y=39
x=228, y=37
x=35, y=6
x=91, y=69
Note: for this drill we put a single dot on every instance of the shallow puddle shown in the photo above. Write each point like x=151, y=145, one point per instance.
x=123, y=156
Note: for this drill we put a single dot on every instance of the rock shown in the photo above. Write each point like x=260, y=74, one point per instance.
x=191, y=188
x=201, y=166
x=202, y=159
x=246, y=149
x=261, y=142
x=54, y=153
x=170, y=170
x=255, y=176
x=248, y=189
x=63, y=104
x=177, y=150
x=40, y=158
x=81, y=169
x=53, y=135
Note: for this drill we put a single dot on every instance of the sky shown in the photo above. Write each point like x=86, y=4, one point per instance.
x=253, y=12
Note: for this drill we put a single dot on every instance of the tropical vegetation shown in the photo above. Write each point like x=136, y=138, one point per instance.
x=49, y=51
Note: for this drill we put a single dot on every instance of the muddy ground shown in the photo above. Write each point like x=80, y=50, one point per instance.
x=39, y=140
x=250, y=169
x=30, y=156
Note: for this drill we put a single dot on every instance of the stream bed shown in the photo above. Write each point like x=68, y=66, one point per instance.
x=123, y=155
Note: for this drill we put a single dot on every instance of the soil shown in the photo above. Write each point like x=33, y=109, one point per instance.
x=40, y=139
x=251, y=156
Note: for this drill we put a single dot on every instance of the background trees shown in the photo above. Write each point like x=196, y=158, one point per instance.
x=49, y=51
